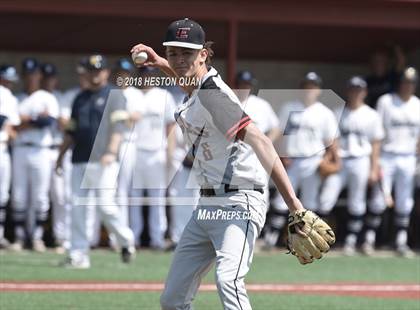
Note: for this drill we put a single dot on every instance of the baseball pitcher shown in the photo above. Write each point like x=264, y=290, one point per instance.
x=231, y=211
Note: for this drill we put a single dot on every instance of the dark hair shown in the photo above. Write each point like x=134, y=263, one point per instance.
x=210, y=51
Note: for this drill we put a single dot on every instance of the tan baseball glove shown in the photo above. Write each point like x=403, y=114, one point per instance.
x=329, y=165
x=309, y=236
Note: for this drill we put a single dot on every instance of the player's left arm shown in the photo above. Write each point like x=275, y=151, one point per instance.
x=264, y=149
x=376, y=136
x=273, y=134
x=111, y=154
x=331, y=162
x=118, y=117
x=332, y=151
x=6, y=125
x=374, y=162
x=25, y=122
x=309, y=236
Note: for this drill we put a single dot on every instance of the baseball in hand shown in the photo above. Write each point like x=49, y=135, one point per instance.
x=139, y=58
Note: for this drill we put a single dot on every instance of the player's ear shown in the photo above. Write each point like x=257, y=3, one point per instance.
x=203, y=54
x=363, y=94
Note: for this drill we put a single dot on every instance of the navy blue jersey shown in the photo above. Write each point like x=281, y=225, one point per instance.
x=95, y=116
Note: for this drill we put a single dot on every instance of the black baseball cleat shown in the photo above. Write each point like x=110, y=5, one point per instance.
x=128, y=254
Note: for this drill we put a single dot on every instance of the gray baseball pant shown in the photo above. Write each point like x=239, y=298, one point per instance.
x=227, y=242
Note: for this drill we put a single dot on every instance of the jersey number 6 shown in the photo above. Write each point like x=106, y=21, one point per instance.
x=206, y=151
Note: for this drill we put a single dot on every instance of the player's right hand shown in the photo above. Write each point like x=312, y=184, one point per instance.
x=153, y=59
x=108, y=159
x=59, y=165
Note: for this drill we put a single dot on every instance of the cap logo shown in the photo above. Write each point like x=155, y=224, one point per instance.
x=410, y=73
x=95, y=61
x=182, y=33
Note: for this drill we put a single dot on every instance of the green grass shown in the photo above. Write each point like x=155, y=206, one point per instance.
x=266, y=268
x=151, y=266
x=205, y=301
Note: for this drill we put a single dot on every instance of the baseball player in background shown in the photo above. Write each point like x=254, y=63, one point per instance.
x=361, y=133
x=84, y=84
x=31, y=171
x=31, y=76
x=154, y=153
x=94, y=224
x=400, y=114
x=226, y=146
x=309, y=133
x=124, y=70
x=9, y=117
x=60, y=201
x=94, y=132
x=264, y=117
x=260, y=110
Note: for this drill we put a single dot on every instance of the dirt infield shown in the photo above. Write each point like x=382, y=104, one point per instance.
x=402, y=291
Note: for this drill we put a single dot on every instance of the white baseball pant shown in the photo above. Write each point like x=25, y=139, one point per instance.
x=31, y=175
x=184, y=187
x=397, y=170
x=5, y=179
x=125, y=179
x=304, y=176
x=95, y=183
x=227, y=243
x=60, y=194
x=354, y=175
x=127, y=156
x=150, y=175
x=5, y=173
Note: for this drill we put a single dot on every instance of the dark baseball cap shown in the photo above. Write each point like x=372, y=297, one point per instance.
x=9, y=73
x=356, y=82
x=81, y=66
x=30, y=65
x=48, y=69
x=312, y=77
x=124, y=64
x=96, y=62
x=246, y=76
x=409, y=75
x=185, y=33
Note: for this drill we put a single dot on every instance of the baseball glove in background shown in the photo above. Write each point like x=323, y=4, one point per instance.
x=329, y=165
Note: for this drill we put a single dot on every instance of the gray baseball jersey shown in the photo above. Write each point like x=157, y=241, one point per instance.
x=210, y=120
